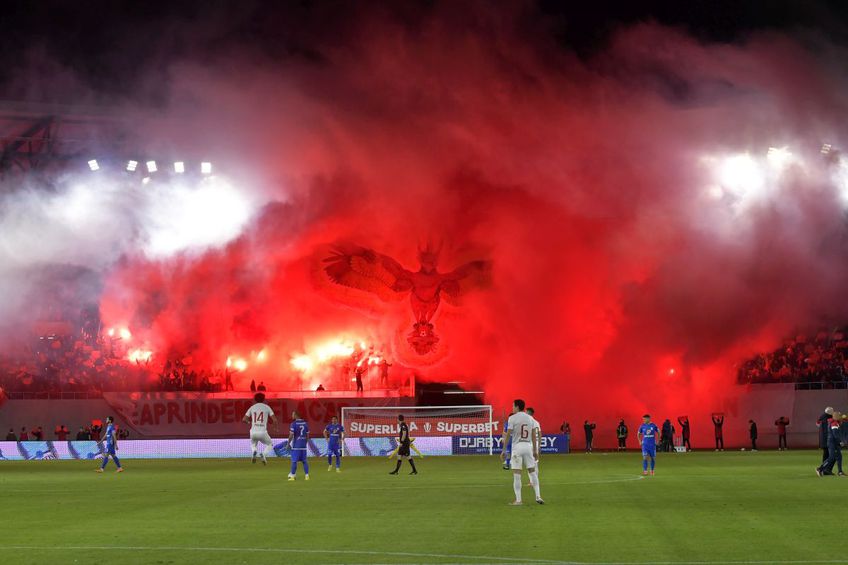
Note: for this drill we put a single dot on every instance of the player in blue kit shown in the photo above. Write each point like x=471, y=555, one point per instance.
x=647, y=436
x=334, y=434
x=298, y=439
x=110, y=439
x=508, y=450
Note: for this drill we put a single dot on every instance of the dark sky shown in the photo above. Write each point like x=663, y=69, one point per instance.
x=109, y=44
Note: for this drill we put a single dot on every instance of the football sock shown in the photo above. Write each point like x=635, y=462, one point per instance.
x=117, y=462
x=516, y=486
x=652, y=463
x=644, y=464
x=534, y=480
x=397, y=468
x=412, y=464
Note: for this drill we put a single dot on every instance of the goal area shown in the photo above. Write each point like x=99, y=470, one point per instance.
x=436, y=430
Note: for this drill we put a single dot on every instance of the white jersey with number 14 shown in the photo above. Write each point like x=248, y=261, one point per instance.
x=259, y=414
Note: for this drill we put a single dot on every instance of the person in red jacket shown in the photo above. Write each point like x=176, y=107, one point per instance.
x=24, y=435
x=781, y=424
x=61, y=433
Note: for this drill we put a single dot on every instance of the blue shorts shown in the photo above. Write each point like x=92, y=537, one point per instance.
x=110, y=449
x=649, y=450
x=334, y=450
x=298, y=455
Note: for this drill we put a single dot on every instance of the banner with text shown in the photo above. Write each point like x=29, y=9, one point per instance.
x=480, y=444
x=196, y=414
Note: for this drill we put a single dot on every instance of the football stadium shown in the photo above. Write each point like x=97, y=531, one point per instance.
x=423, y=282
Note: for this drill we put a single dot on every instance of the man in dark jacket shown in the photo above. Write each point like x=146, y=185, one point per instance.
x=753, y=432
x=718, y=422
x=781, y=424
x=666, y=436
x=589, y=430
x=621, y=433
x=684, y=424
x=821, y=423
x=834, y=447
x=11, y=435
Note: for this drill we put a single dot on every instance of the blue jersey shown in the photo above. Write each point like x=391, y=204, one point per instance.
x=300, y=430
x=649, y=434
x=334, y=432
x=110, y=434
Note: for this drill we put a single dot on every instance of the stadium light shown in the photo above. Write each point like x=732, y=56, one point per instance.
x=826, y=148
x=132, y=166
x=151, y=167
x=206, y=168
x=93, y=165
x=740, y=174
x=179, y=167
x=145, y=180
x=778, y=156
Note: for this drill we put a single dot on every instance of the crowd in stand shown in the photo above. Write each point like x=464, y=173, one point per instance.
x=90, y=432
x=90, y=362
x=822, y=359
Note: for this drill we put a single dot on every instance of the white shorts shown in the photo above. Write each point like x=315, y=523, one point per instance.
x=260, y=436
x=522, y=457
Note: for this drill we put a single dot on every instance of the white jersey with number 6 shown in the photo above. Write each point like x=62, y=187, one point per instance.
x=521, y=426
x=259, y=414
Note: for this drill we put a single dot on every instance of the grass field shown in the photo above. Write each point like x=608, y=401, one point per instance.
x=766, y=507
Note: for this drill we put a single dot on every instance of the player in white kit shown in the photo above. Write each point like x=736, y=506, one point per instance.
x=525, y=450
x=537, y=431
x=258, y=417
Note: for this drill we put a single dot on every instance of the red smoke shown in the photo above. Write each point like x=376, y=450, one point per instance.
x=617, y=286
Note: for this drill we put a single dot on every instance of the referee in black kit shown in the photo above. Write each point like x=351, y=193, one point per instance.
x=403, y=448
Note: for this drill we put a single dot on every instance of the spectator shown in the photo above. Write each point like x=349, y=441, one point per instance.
x=94, y=430
x=384, y=372
x=666, y=436
x=822, y=424
x=753, y=433
x=38, y=434
x=81, y=434
x=61, y=433
x=358, y=372
x=24, y=435
x=684, y=423
x=11, y=435
x=320, y=388
x=589, y=431
x=228, y=380
x=565, y=429
x=261, y=387
x=621, y=434
x=781, y=424
x=252, y=385
x=718, y=423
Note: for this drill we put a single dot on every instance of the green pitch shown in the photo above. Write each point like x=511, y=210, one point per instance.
x=766, y=507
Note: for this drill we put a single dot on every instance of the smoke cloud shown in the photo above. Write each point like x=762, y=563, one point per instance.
x=642, y=239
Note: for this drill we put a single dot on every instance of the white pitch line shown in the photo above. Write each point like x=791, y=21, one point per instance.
x=490, y=485
x=282, y=550
x=476, y=558
x=405, y=487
